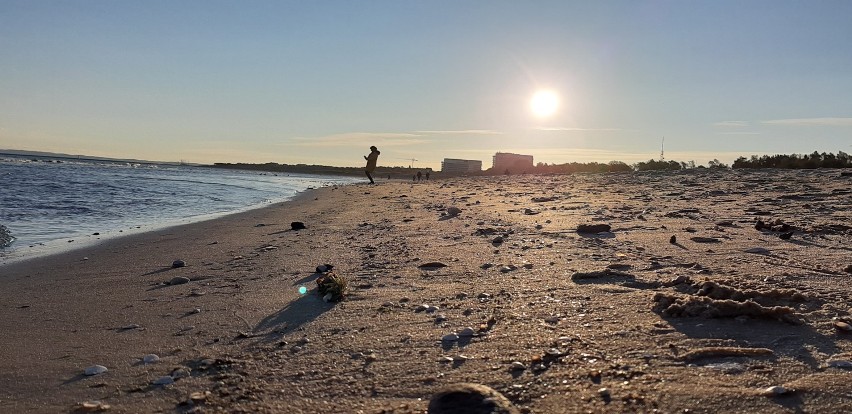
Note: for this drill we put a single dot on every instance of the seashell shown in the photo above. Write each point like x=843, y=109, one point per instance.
x=775, y=390
x=468, y=331
x=150, y=358
x=95, y=370
x=421, y=308
x=553, y=352
x=445, y=359
x=432, y=309
x=91, y=407
x=199, y=396
x=450, y=337
x=843, y=326
x=517, y=366
x=164, y=380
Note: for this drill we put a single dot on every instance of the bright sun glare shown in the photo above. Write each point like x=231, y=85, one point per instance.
x=544, y=103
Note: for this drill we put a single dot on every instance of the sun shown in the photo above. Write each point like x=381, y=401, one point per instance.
x=544, y=103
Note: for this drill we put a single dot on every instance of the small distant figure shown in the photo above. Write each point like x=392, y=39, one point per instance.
x=371, y=162
x=427, y=175
x=419, y=176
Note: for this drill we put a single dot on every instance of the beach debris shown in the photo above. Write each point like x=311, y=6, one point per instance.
x=775, y=391
x=150, y=359
x=707, y=307
x=508, y=268
x=530, y=212
x=593, y=228
x=6, y=238
x=164, y=380
x=599, y=274
x=432, y=266
x=544, y=199
x=497, y=240
x=453, y=211
x=517, y=366
x=848, y=269
x=179, y=280
x=486, y=266
x=129, y=327
x=297, y=225
x=197, y=397
x=90, y=407
x=727, y=367
x=724, y=351
x=843, y=326
x=323, y=268
x=178, y=263
x=95, y=370
x=332, y=286
x=786, y=235
x=699, y=239
x=469, y=398
x=673, y=239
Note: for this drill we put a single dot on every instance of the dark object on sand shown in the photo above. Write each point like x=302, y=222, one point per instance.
x=5, y=237
x=324, y=268
x=297, y=225
x=593, y=228
x=470, y=399
x=673, y=240
x=332, y=286
x=760, y=225
x=786, y=236
x=178, y=263
x=432, y=266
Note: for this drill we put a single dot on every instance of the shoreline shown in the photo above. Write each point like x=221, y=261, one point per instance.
x=562, y=321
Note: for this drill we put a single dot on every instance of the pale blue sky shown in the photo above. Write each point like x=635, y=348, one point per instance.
x=321, y=81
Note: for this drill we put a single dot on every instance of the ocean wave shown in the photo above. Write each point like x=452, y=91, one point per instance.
x=6, y=238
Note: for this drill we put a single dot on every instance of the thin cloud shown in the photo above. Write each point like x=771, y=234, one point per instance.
x=740, y=133
x=731, y=124
x=358, y=139
x=575, y=129
x=461, y=132
x=811, y=122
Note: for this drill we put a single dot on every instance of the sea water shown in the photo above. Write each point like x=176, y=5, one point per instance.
x=49, y=204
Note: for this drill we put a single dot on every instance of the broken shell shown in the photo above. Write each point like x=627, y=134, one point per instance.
x=95, y=370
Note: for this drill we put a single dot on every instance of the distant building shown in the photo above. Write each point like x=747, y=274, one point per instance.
x=514, y=163
x=455, y=166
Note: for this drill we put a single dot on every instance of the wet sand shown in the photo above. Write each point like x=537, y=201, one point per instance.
x=709, y=289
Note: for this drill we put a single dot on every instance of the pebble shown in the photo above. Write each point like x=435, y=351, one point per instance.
x=179, y=280
x=775, y=390
x=552, y=319
x=517, y=366
x=468, y=331
x=508, y=268
x=757, y=250
x=486, y=266
x=450, y=337
x=178, y=263
x=699, y=239
x=95, y=370
x=440, y=317
x=164, y=380
x=470, y=399
x=453, y=211
x=150, y=358
x=593, y=228
x=445, y=359
x=848, y=269
x=840, y=363
x=180, y=373
x=843, y=326
x=91, y=407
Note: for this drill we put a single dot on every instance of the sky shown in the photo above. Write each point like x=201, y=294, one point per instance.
x=319, y=82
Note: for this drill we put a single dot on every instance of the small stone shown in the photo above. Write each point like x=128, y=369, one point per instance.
x=178, y=263
x=775, y=390
x=843, y=326
x=432, y=309
x=848, y=269
x=91, y=407
x=95, y=370
x=508, y=268
x=445, y=359
x=517, y=366
x=604, y=392
x=673, y=239
x=469, y=399
x=421, y=308
x=497, y=240
x=486, y=266
x=552, y=319
x=840, y=363
x=324, y=268
x=150, y=359
x=297, y=225
x=453, y=211
x=432, y=266
x=179, y=280
x=593, y=228
x=164, y=380
x=295, y=348
x=180, y=373
x=757, y=250
x=450, y=337
x=699, y=239
x=440, y=317
x=467, y=332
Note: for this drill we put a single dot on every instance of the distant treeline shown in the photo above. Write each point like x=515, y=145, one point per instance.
x=792, y=161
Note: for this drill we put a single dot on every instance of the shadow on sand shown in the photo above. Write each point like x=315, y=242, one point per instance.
x=300, y=311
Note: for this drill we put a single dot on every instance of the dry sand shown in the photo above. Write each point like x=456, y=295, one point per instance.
x=619, y=321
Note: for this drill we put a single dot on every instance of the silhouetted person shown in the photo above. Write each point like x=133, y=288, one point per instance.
x=427, y=175
x=371, y=162
x=419, y=176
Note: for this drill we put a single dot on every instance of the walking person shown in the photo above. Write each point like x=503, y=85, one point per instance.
x=372, y=158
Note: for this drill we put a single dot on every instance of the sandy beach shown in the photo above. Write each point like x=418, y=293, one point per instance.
x=695, y=291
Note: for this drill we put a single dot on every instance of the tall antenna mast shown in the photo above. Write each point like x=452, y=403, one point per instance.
x=662, y=152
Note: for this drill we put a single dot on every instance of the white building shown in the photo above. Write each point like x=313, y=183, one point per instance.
x=456, y=166
x=514, y=163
